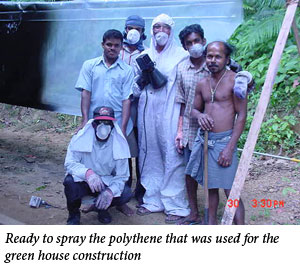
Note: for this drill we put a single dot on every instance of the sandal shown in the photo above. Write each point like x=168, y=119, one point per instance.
x=142, y=211
x=172, y=219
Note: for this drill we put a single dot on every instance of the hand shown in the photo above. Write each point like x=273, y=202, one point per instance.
x=205, y=121
x=80, y=126
x=225, y=157
x=178, y=143
x=142, y=80
x=94, y=181
x=104, y=199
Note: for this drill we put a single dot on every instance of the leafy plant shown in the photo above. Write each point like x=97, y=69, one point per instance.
x=40, y=188
x=255, y=40
x=288, y=190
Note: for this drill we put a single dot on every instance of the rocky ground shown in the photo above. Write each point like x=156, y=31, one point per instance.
x=32, y=149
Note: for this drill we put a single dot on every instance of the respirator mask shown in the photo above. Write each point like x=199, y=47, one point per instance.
x=161, y=38
x=196, y=50
x=103, y=131
x=133, y=36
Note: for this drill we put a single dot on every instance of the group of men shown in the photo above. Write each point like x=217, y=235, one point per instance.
x=169, y=123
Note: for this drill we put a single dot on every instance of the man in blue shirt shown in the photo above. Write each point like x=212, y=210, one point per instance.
x=107, y=81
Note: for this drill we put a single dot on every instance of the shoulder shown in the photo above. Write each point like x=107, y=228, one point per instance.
x=231, y=75
x=184, y=64
x=204, y=81
x=181, y=53
x=91, y=62
x=202, y=84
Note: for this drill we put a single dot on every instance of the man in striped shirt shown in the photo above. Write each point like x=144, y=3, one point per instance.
x=189, y=73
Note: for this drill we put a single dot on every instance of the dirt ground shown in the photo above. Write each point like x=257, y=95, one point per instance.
x=32, y=150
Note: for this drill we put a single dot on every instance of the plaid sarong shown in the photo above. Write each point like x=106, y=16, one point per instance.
x=218, y=176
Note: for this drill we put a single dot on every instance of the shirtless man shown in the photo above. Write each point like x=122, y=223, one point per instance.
x=224, y=116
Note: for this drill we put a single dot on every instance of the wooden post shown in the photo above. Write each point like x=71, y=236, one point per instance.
x=296, y=34
x=260, y=112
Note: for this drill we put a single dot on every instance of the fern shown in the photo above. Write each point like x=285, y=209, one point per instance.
x=265, y=30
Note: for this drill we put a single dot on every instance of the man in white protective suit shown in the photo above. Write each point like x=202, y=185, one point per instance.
x=161, y=166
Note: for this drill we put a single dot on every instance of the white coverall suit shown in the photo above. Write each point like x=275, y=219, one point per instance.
x=162, y=168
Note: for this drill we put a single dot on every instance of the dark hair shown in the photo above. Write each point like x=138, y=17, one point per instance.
x=193, y=28
x=112, y=33
x=229, y=49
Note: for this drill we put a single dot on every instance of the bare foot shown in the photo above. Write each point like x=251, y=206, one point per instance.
x=125, y=209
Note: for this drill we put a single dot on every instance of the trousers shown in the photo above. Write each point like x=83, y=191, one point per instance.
x=75, y=191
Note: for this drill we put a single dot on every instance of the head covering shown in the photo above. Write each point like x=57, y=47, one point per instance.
x=135, y=20
x=138, y=21
x=85, y=138
x=104, y=113
x=166, y=19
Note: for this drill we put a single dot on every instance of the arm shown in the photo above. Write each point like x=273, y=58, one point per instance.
x=125, y=114
x=126, y=95
x=80, y=173
x=180, y=94
x=204, y=120
x=179, y=136
x=84, y=85
x=74, y=166
x=240, y=106
x=116, y=182
x=85, y=106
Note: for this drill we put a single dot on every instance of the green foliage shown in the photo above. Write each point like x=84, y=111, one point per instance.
x=40, y=188
x=255, y=40
x=288, y=190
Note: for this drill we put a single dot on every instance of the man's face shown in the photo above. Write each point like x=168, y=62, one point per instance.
x=130, y=27
x=111, y=48
x=97, y=123
x=192, y=39
x=216, y=59
x=161, y=27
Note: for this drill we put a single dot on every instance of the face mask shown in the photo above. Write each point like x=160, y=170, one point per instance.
x=103, y=131
x=196, y=50
x=133, y=36
x=161, y=38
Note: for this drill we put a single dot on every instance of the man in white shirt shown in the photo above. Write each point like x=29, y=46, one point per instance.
x=96, y=164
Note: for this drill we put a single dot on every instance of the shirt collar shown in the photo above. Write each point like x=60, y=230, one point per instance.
x=192, y=66
x=125, y=47
x=119, y=62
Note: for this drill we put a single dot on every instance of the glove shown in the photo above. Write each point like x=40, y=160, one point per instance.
x=94, y=181
x=104, y=199
x=142, y=80
x=234, y=66
x=242, y=79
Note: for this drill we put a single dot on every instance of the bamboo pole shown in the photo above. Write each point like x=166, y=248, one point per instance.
x=206, y=196
x=245, y=160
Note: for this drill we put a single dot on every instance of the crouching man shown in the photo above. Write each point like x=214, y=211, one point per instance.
x=96, y=164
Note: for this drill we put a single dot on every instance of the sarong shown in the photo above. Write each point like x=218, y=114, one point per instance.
x=218, y=176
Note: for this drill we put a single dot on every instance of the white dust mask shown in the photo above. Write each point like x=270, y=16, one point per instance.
x=196, y=50
x=161, y=38
x=103, y=131
x=133, y=36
